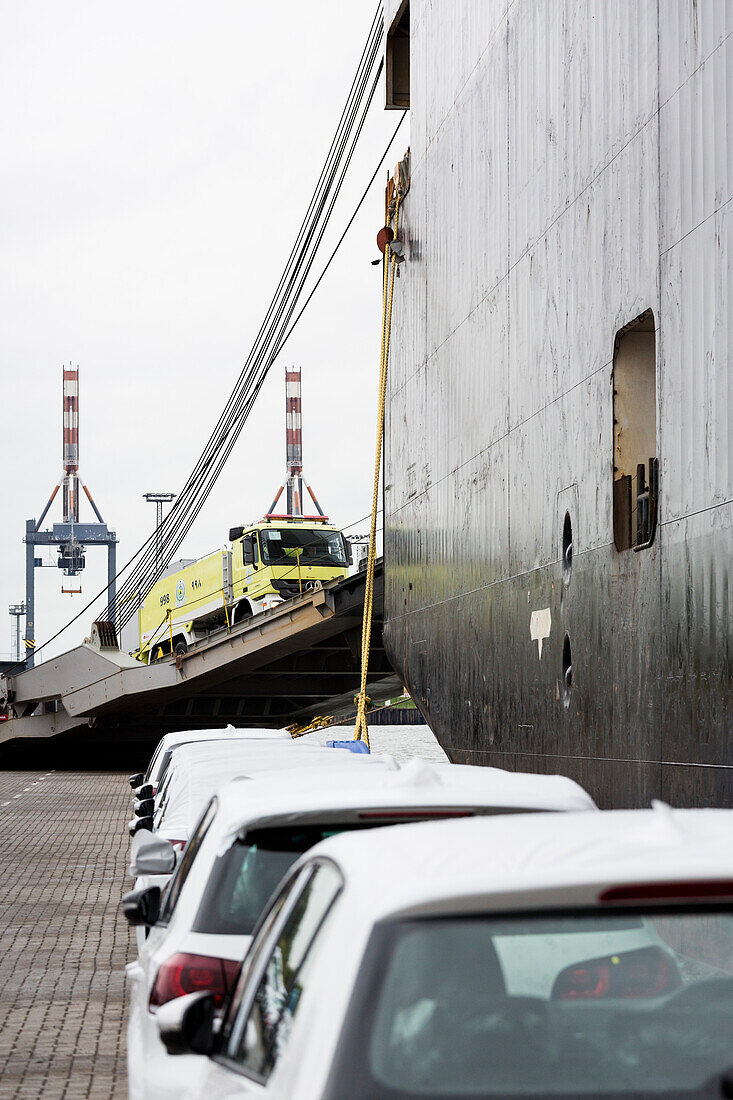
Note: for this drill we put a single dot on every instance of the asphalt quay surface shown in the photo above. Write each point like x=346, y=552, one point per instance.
x=63, y=941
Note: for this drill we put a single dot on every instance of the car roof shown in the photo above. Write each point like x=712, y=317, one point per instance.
x=527, y=861
x=413, y=783
x=199, y=756
x=198, y=770
x=187, y=737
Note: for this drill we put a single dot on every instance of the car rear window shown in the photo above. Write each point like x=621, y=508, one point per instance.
x=244, y=878
x=606, y=1005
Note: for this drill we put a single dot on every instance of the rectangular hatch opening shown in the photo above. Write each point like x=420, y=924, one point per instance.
x=635, y=462
x=397, y=60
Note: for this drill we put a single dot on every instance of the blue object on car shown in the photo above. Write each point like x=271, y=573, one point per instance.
x=352, y=746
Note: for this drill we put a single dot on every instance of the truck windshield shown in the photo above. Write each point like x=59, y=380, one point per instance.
x=284, y=546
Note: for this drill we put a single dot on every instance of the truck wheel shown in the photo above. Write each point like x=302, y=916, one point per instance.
x=243, y=612
x=180, y=648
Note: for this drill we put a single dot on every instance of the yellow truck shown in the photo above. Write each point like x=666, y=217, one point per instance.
x=268, y=562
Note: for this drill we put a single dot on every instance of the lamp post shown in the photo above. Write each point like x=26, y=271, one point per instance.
x=159, y=499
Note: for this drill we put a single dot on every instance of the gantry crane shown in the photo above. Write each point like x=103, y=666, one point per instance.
x=70, y=536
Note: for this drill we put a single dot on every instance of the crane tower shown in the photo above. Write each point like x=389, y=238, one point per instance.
x=71, y=536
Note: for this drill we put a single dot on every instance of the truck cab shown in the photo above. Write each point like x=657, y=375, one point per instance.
x=282, y=558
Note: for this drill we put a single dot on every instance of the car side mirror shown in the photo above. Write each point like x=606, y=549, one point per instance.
x=151, y=855
x=139, y=823
x=186, y=1024
x=136, y=779
x=142, y=906
x=144, y=807
x=144, y=791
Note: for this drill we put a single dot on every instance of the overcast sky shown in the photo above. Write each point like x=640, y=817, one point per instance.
x=157, y=159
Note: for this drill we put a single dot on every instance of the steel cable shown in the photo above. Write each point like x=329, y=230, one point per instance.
x=271, y=334
x=202, y=476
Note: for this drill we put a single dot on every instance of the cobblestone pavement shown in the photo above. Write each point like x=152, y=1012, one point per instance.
x=63, y=942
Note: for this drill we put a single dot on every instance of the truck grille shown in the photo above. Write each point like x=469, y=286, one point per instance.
x=286, y=589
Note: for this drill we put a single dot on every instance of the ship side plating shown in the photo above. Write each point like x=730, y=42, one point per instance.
x=569, y=268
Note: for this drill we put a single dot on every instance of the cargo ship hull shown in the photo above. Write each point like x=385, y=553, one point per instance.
x=562, y=337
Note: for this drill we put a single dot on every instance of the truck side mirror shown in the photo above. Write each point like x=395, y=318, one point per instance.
x=248, y=552
x=349, y=552
x=235, y=533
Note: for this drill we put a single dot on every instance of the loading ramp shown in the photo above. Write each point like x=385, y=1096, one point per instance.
x=285, y=666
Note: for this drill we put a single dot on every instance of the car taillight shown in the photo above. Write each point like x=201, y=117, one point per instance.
x=183, y=973
x=178, y=845
x=647, y=972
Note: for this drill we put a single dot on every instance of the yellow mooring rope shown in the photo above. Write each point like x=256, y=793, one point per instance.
x=361, y=732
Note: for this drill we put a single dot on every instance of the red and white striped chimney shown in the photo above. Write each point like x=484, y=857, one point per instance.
x=294, y=441
x=71, y=444
x=294, y=456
